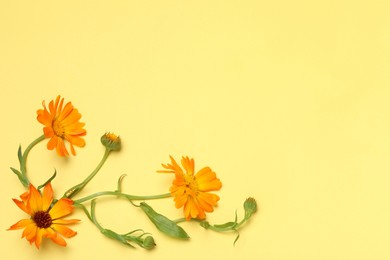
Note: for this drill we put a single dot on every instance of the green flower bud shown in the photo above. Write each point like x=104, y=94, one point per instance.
x=111, y=141
x=250, y=207
x=148, y=243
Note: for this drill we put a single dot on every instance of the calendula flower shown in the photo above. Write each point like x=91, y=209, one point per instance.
x=46, y=219
x=61, y=124
x=190, y=190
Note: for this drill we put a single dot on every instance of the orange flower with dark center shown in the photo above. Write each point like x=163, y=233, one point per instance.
x=61, y=124
x=46, y=219
x=191, y=191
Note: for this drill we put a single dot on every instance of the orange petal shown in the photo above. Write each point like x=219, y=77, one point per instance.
x=29, y=229
x=207, y=180
x=53, y=107
x=166, y=171
x=30, y=232
x=53, y=142
x=22, y=206
x=61, y=149
x=48, y=131
x=76, y=129
x=72, y=150
x=66, y=111
x=47, y=197
x=177, y=169
x=21, y=224
x=180, y=201
x=60, y=105
x=38, y=237
x=188, y=165
x=210, y=198
x=44, y=117
x=25, y=197
x=62, y=208
x=35, y=201
x=58, y=240
x=65, y=221
x=71, y=118
x=63, y=230
x=190, y=209
x=204, y=204
x=75, y=140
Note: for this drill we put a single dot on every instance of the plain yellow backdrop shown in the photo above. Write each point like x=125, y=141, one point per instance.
x=287, y=101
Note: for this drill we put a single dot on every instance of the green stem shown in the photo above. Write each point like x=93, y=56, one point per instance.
x=240, y=223
x=23, y=167
x=180, y=220
x=120, y=194
x=77, y=188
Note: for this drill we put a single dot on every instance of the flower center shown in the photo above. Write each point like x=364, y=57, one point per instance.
x=42, y=219
x=191, y=182
x=58, y=128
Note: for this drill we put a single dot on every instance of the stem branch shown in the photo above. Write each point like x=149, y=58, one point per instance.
x=120, y=194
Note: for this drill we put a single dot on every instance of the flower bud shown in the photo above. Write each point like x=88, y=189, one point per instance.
x=111, y=141
x=148, y=243
x=250, y=207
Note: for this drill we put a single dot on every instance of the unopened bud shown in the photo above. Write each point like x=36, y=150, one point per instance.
x=148, y=243
x=111, y=141
x=250, y=207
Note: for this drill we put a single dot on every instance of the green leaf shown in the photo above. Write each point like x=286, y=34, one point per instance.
x=16, y=171
x=20, y=156
x=113, y=235
x=49, y=180
x=226, y=225
x=237, y=237
x=120, y=180
x=164, y=224
x=23, y=179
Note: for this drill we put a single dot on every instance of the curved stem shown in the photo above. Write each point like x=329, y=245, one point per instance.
x=120, y=194
x=23, y=167
x=77, y=188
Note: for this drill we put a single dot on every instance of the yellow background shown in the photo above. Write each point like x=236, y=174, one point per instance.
x=288, y=101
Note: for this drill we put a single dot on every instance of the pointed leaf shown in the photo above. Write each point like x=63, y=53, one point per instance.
x=20, y=156
x=164, y=224
x=237, y=237
x=226, y=225
x=49, y=180
x=23, y=179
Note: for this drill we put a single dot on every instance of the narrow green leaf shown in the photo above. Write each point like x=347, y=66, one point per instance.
x=20, y=156
x=113, y=235
x=226, y=225
x=164, y=224
x=120, y=180
x=16, y=171
x=237, y=237
x=49, y=180
x=23, y=179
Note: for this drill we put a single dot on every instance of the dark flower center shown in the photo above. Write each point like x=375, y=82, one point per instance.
x=42, y=219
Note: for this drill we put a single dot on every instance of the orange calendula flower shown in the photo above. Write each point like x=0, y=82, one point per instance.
x=190, y=190
x=46, y=219
x=61, y=123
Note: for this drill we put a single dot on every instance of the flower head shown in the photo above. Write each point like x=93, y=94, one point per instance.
x=190, y=190
x=111, y=141
x=61, y=124
x=46, y=219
